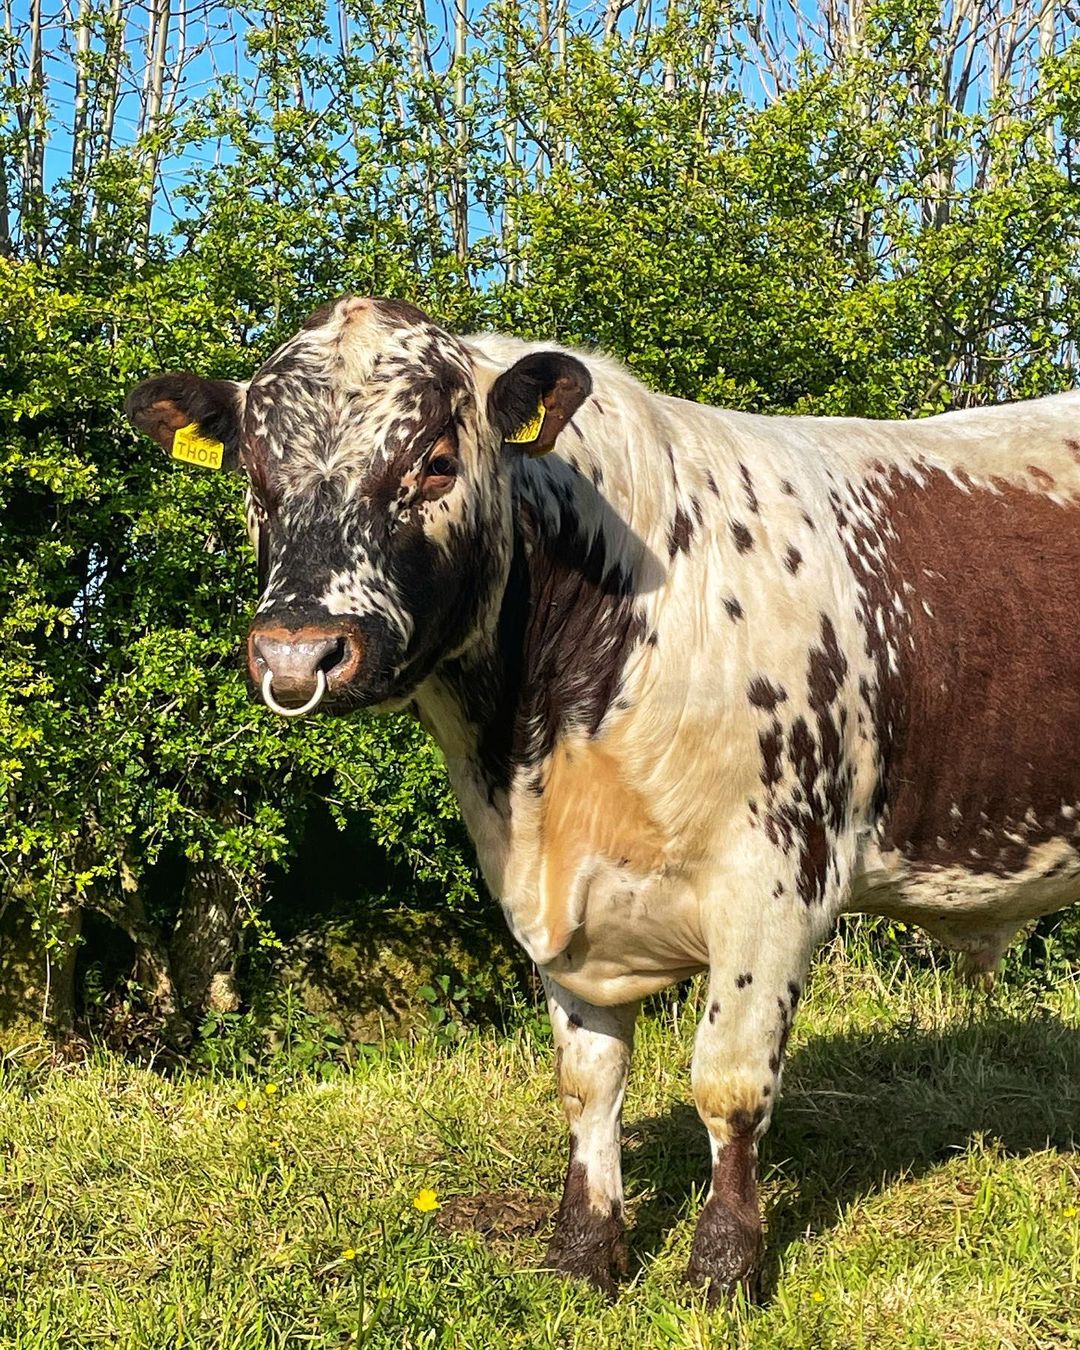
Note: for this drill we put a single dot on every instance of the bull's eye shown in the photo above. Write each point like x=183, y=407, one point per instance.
x=439, y=475
x=443, y=466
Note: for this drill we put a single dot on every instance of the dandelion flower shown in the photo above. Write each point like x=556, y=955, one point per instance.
x=349, y=1254
x=818, y=1296
x=1070, y=1213
x=270, y=1089
x=241, y=1103
x=425, y=1201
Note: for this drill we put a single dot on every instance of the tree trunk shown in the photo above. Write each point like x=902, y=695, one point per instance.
x=206, y=942
x=37, y=985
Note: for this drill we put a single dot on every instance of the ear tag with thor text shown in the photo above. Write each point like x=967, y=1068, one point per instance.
x=530, y=430
x=191, y=446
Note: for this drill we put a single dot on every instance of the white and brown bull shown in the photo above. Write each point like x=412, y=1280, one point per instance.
x=704, y=680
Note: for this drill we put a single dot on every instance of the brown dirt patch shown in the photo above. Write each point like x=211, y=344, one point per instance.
x=498, y=1216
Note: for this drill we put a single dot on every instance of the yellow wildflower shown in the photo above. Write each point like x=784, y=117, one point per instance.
x=425, y=1201
x=275, y=1143
x=241, y=1103
x=818, y=1296
x=349, y=1254
x=1070, y=1213
x=270, y=1089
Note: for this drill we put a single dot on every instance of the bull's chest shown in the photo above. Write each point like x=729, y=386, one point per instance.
x=598, y=892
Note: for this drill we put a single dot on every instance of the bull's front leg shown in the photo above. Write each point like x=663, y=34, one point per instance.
x=759, y=957
x=592, y=1058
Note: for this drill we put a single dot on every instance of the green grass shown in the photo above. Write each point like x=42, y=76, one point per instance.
x=921, y=1186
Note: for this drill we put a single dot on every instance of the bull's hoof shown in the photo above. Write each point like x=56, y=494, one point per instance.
x=590, y=1246
x=726, y=1255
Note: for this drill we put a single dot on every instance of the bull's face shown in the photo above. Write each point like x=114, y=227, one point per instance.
x=377, y=450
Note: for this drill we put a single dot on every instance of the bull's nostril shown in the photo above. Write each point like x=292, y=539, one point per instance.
x=334, y=657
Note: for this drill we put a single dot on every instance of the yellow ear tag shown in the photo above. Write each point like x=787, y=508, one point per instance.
x=190, y=445
x=528, y=432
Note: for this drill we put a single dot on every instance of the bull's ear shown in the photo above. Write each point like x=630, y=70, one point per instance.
x=532, y=401
x=208, y=411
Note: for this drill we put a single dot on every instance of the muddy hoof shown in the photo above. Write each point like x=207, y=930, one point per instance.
x=726, y=1255
x=590, y=1246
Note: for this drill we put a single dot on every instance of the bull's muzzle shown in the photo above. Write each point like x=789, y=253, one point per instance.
x=294, y=668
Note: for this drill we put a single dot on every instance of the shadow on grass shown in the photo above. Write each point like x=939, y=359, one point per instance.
x=861, y=1110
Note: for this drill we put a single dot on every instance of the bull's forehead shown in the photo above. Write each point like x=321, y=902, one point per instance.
x=363, y=382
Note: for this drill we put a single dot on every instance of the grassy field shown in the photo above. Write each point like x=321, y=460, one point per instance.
x=921, y=1185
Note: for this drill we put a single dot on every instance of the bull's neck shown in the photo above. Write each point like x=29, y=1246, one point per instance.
x=553, y=660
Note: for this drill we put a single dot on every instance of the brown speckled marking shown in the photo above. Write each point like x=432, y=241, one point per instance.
x=680, y=533
x=763, y=694
x=744, y=540
x=749, y=494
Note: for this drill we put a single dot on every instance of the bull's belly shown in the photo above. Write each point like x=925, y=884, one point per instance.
x=638, y=935
x=971, y=911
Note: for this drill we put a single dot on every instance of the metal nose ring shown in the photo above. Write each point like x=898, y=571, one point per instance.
x=274, y=706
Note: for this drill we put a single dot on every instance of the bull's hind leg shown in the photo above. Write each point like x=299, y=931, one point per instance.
x=592, y=1058
x=758, y=967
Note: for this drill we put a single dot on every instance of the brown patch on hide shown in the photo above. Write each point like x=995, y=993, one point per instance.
x=401, y=312
x=799, y=817
x=771, y=742
x=786, y=1016
x=322, y=315
x=827, y=669
x=588, y=1242
x=979, y=731
x=567, y=624
x=734, y=609
x=762, y=693
x=748, y=489
x=744, y=540
x=813, y=862
x=680, y=532
x=793, y=560
x=589, y=809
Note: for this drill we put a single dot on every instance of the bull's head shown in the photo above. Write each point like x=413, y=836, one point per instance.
x=377, y=449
